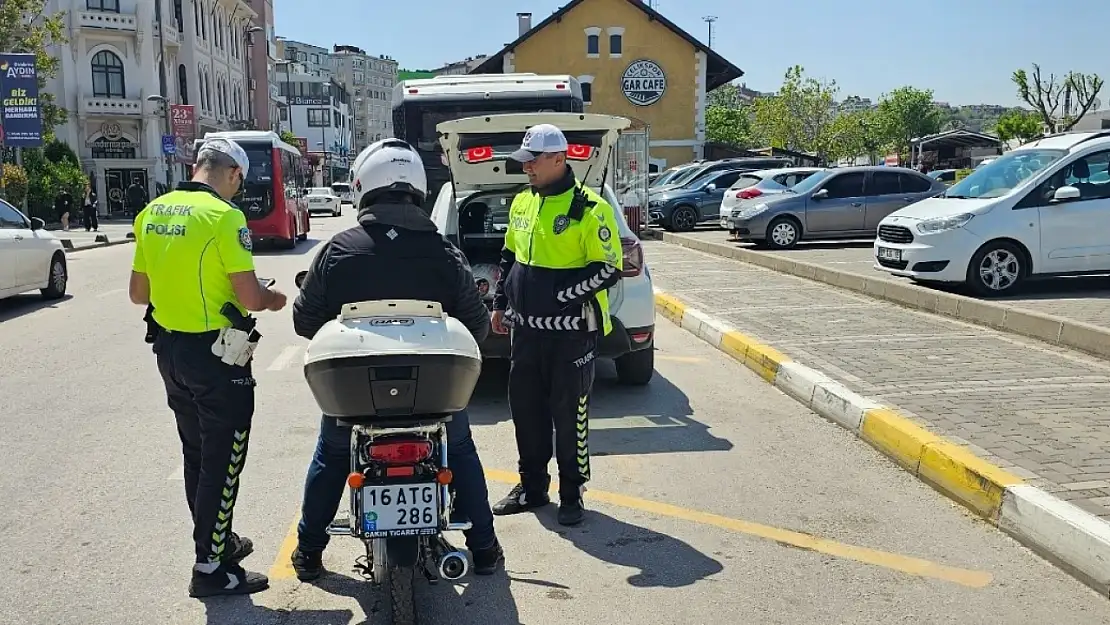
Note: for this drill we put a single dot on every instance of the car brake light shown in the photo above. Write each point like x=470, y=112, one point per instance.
x=479, y=154
x=401, y=452
x=577, y=152
x=561, y=85
x=633, y=258
x=414, y=91
x=747, y=194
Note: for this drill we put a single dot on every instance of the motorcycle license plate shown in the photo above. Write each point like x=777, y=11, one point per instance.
x=400, y=510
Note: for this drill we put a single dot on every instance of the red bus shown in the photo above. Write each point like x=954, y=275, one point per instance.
x=273, y=193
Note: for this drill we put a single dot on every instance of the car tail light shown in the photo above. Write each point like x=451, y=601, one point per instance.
x=401, y=452
x=561, y=85
x=633, y=258
x=576, y=152
x=479, y=154
x=747, y=194
x=414, y=91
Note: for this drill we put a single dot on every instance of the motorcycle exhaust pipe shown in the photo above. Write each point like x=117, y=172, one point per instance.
x=453, y=565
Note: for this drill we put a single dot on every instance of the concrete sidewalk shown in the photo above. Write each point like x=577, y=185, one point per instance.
x=1037, y=411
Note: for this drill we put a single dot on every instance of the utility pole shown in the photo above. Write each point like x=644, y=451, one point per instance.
x=709, y=19
x=163, y=89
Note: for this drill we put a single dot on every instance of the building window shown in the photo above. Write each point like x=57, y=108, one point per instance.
x=182, y=84
x=109, y=6
x=203, y=23
x=107, y=75
x=616, y=41
x=593, y=42
x=207, y=91
x=319, y=118
x=587, y=84
x=179, y=15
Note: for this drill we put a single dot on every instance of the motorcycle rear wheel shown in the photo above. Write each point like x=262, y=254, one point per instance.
x=402, y=593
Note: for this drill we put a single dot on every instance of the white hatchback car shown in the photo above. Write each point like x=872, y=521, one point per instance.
x=1041, y=210
x=30, y=256
x=324, y=200
x=474, y=212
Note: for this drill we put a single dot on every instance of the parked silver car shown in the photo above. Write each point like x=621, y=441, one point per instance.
x=754, y=187
x=841, y=203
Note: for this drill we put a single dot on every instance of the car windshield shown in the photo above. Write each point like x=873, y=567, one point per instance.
x=341, y=188
x=768, y=183
x=811, y=182
x=685, y=177
x=319, y=191
x=667, y=177
x=1003, y=174
x=743, y=182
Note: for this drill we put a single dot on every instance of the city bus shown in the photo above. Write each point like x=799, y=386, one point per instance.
x=274, y=190
x=419, y=105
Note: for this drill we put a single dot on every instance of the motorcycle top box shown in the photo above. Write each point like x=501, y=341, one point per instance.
x=390, y=359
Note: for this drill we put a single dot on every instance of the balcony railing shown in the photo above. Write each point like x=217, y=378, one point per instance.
x=91, y=105
x=108, y=21
x=173, y=36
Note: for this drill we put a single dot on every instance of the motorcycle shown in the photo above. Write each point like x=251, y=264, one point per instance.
x=401, y=498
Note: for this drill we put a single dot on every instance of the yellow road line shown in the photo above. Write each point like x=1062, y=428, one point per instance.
x=893, y=561
x=283, y=566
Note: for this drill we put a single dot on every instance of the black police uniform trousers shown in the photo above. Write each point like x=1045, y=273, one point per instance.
x=550, y=377
x=214, y=405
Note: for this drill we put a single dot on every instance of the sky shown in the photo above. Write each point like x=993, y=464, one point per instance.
x=965, y=51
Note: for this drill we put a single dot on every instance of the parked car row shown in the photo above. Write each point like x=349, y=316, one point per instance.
x=689, y=194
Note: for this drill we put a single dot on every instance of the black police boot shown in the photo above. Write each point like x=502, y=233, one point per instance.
x=309, y=565
x=488, y=560
x=240, y=547
x=520, y=500
x=227, y=579
x=571, y=508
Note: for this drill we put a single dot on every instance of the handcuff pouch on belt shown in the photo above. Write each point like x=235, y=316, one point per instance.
x=235, y=345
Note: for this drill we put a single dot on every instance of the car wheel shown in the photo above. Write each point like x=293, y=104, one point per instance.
x=998, y=268
x=783, y=233
x=59, y=278
x=683, y=219
x=636, y=368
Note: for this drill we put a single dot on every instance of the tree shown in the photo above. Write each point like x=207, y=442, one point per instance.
x=25, y=27
x=1060, y=103
x=1017, y=124
x=799, y=117
x=728, y=119
x=854, y=134
x=905, y=114
x=288, y=137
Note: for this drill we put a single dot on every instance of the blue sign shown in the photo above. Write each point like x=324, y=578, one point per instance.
x=20, y=113
x=169, y=145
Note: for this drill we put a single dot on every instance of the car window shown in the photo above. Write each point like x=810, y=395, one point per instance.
x=743, y=182
x=845, y=185
x=914, y=184
x=319, y=191
x=726, y=180
x=1088, y=174
x=884, y=183
x=11, y=218
x=1002, y=175
x=946, y=176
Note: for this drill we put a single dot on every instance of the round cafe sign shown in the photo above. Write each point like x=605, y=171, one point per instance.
x=644, y=82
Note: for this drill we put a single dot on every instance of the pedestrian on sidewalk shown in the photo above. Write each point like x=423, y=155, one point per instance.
x=63, y=206
x=561, y=256
x=193, y=259
x=89, y=209
x=136, y=198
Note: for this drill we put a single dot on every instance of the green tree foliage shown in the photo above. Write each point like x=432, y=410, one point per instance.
x=907, y=113
x=14, y=182
x=288, y=137
x=1060, y=102
x=26, y=27
x=1022, y=125
x=728, y=119
x=800, y=116
x=49, y=172
x=854, y=134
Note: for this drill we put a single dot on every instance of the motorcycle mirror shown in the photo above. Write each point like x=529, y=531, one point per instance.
x=299, y=280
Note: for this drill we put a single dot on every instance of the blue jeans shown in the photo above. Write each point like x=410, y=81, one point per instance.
x=327, y=477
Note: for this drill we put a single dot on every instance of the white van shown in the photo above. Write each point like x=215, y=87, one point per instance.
x=474, y=215
x=1041, y=210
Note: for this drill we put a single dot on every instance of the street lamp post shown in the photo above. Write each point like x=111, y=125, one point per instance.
x=169, y=132
x=163, y=89
x=249, y=40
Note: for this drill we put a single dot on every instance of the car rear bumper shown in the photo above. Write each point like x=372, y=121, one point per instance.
x=617, y=343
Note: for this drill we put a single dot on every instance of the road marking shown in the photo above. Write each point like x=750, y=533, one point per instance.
x=686, y=359
x=283, y=563
x=893, y=561
x=284, y=358
x=111, y=293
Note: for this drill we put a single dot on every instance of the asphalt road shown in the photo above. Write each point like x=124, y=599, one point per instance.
x=715, y=498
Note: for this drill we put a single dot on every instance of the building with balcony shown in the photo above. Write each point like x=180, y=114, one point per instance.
x=315, y=59
x=369, y=80
x=121, y=58
x=319, y=111
x=264, y=57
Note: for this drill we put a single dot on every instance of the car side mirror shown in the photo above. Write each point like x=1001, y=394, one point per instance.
x=299, y=280
x=37, y=224
x=710, y=188
x=821, y=194
x=1066, y=193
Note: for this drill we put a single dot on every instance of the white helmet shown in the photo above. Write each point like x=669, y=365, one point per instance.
x=388, y=165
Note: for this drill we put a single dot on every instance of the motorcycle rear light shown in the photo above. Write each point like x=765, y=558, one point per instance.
x=400, y=471
x=401, y=452
x=641, y=337
x=747, y=194
x=356, y=480
x=444, y=476
x=633, y=257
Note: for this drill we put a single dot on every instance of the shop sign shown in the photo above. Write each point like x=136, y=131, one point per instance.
x=309, y=100
x=644, y=82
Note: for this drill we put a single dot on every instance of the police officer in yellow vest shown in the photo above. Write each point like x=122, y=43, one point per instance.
x=192, y=257
x=562, y=253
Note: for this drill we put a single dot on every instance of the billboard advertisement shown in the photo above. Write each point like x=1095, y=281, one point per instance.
x=19, y=101
x=183, y=124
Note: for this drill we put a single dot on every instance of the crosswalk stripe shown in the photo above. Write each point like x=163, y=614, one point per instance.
x=285, y=358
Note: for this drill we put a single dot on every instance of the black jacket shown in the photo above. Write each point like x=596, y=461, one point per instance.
x=136, y=195
x=394, y=253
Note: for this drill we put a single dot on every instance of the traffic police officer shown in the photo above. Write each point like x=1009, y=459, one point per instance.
x=192, y=257
x=562, y=253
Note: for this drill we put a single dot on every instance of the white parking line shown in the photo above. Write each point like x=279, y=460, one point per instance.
x=284, y=358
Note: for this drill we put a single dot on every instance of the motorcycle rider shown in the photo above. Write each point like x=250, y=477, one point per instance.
x=395, y=252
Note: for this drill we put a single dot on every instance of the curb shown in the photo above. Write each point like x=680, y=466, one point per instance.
x=1051, y=329
x=70, y=248
x=1072, y=538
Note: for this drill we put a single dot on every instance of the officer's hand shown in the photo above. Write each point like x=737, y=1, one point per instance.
x=497, y=321
x=278, y=301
